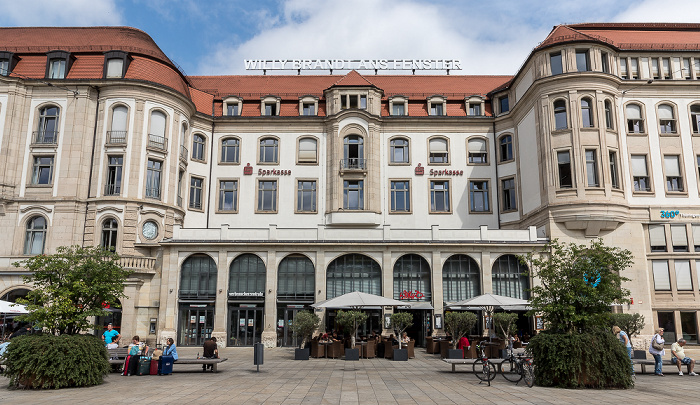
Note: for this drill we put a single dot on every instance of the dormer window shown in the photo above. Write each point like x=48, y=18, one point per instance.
x=8, y=60
x=308, y=106
x=398, y=105
x=353, y=101
x=116, y=64
x=270, y=106
x=58, y=64
x=474, y=105
x=437, y=105
x=233, y=106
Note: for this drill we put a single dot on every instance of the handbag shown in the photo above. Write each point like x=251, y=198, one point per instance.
x=656, y=345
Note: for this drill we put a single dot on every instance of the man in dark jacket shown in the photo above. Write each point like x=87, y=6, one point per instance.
x=211, y=351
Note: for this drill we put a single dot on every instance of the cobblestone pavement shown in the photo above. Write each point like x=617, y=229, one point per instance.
x=281, y=380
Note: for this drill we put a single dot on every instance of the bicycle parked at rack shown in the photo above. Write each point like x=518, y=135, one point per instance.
x=484, y=369
x=515, y=368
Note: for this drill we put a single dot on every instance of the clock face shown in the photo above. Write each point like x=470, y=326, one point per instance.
x=150, y=230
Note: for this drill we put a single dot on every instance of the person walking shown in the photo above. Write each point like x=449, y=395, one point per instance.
x=656, y=348
x=625, y=340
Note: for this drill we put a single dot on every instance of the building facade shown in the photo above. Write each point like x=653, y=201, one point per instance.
x=239, y=200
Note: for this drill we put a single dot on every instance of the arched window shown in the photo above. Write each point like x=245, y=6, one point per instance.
x=399, y=150
x=183, y=134
x=635, y=122
x=48, y=125
x=117, y=133
x=667, y=119
x=35, y=236
x=438, y=152
x=296, y=279
x=560, y=115
x=506, y=148
x=247, y=274
x=412, y=278
x=230, y=149
x=586, y=113
x=307, y=150
x=269, y=150
x=460, y=278
x=353, y=272
x=156, y=132
x=510, y=278
x=110, y=230
x=198, y=147
x=353, y=152
x=198, y=277
x=695, y=118
x=608, y=115
x=477, y=151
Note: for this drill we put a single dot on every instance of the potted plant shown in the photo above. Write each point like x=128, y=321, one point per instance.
x=401, y=321
x=304, y=325
x=458, y=324
x=504, y=325
x=350, y=321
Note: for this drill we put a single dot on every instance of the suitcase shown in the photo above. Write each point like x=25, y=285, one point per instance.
x=154, y=367
x=126, y=365
x=165, y=365
x=144, y=367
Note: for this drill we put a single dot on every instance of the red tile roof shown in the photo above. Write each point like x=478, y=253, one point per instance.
x=352, y=79
x=202, y=101
x=629, y=36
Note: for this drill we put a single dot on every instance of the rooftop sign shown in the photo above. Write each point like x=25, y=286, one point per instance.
x=350, y=64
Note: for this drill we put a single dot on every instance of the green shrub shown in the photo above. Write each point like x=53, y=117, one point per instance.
x=48, y=361
x=504, y=323
x=580, y=360
x=459, y=324
x=632, y=324
x=304, y=325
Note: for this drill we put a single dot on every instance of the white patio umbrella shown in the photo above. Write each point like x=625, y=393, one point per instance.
x=7, y=307
x=489, y=302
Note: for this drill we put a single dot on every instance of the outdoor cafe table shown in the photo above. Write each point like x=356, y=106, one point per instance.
x=325, y=350
x=361, y=343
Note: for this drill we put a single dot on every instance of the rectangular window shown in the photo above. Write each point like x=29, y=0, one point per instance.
x=232, y=109
x=679, y=238
x=689, y=326
x=153, y=178
x=363, y=102
x=604, y=62
x=438, y=151
x=477, y=151
x=662, y=281
x=228, y=195
x=398, y=150
x=696, y=237
x=436, y=109
x=400, y=196
x=634, y=68
x=555, y=63
x=474, y=109
x=309, y=109
x=655, y=68
x=509, y=197
x=666, y=66
x=115, y=67
x=307, y=150
x=114, y=175
x=306, y=196
x=42, y=172
x=479, y=196
x=353, y=195
x=269, y=149
x=592, y=168
x=583, y=63
x=674, y=180
x=686, y=68
x=657, y=238
x=614, y=178
x=624, y=72
x=4, y=67
x=57, y=69
x=439, y=196
x=398, y=109
x=196, y=193
x=267, y=196
x=683, y=280
x=180, y=175
x=503, y=104
x=230, y=150
x=696, y=68
x=564, y=166
x=270, y=109
x=640, y=174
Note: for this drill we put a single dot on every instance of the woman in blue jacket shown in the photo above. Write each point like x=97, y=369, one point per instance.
x=170, y=349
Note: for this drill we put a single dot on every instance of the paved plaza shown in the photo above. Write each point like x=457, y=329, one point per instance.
x=281, y=380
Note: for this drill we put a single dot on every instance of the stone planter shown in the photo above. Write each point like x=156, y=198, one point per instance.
x=400, y=354
x=301, y=354
x=455, y=354
x=352, y=354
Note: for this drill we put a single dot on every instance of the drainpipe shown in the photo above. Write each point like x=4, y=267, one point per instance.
x=92, y=158
x=495, y=159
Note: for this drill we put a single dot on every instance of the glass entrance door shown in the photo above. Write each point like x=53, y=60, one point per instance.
x=245, y=325
x=196, y=324
x=285, y=317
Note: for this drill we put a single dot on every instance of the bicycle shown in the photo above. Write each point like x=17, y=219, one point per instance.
x=484, y=369
x=515, y=368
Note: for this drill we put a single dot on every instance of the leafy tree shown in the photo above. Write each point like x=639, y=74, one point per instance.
x=72, y=285
x=505, y=323
x=632, y=324
x=458, y=324
x=578, y=284
x=400, y=321
x=304, y=325
x=350, y=321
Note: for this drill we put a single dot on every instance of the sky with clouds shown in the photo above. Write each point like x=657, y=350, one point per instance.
x=207, y=37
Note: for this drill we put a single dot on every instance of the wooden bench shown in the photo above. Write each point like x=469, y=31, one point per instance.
x=455, y=362
x=118, y=355
x=650, y=362
x=203, y=361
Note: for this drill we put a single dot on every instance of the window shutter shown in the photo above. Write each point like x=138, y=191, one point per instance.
x=671, y=166
x=115, y=67
x=661, y=276
x=157, y=123
x=639, y=165
x=119, y=115
x=696, y=235
x=657, y=235
x=678, y=235
x=683, y=280
x=477, y=146
x=633, y=112
x=665, y=112
x=438, y=146
x=307, y=149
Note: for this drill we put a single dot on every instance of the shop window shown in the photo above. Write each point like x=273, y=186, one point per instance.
x=657, y=238
x=198, y=277
x=460, y=278
x=662, y=281
x=689, y=326
x=296, y=279
x=667, y=321
x=247, y=274
x=353, y=272
x=412, y=275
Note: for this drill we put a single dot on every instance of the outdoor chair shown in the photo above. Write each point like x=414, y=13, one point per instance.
x=369, y=350
x=444, y=347
x=335, y=350
x=389, y=349
x=411, y=345
x=429, y=345
x=317, y=350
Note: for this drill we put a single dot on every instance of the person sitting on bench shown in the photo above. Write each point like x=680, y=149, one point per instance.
x=211, y=351
x=678, y=357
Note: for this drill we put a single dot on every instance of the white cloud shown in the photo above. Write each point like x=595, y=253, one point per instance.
x=59, y=13
x=671, y=11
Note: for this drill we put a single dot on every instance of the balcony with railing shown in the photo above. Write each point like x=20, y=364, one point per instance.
x=183, y=154
x=45, y=138
x=353, y=164
x=116, y=137
x=157, y=142
x=112, y=189
x=138, y=264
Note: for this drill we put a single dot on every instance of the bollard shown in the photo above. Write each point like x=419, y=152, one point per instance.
x=258, y=354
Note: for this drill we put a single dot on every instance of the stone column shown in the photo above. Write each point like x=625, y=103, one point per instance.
x=486, y=280
x=387, y=286
x=221, y=307
x=438, y=294
x=167, y=313
x=130, y=326
x=269, y=335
